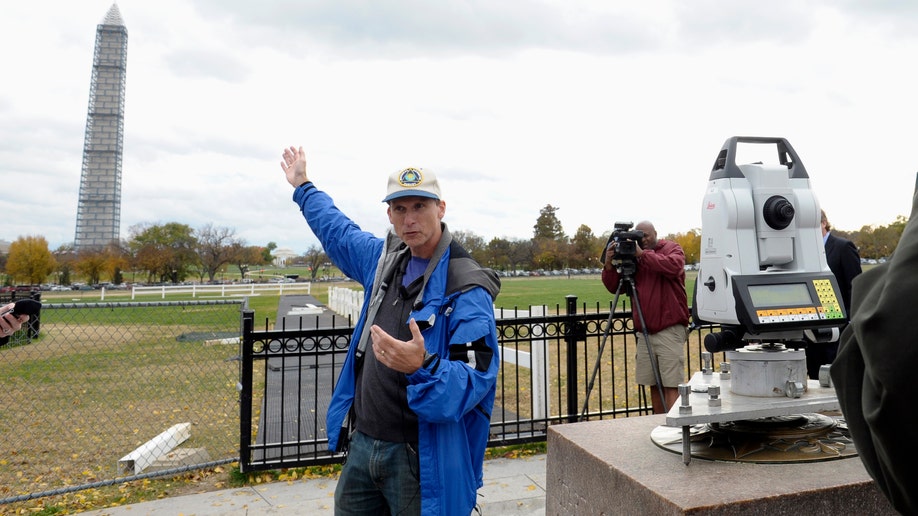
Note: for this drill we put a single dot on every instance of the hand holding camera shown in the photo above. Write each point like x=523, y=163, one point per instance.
x=623, y=248
x=14, y=315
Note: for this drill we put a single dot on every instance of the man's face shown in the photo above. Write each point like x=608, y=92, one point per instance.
x=416, y=221
x=650, y=236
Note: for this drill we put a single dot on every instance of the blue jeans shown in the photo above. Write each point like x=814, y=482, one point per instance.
x=379, y=477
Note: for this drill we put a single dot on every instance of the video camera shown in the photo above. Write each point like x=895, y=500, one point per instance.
x=763, y=274
x=626, y=241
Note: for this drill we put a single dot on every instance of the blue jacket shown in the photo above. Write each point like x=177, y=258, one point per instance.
x=452, y=397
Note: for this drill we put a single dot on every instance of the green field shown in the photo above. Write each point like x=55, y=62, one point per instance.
x=552, y=291
x=521, y=292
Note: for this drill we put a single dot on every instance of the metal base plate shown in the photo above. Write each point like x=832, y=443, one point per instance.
x=755, y=429
x=735, y=407
x=773, y=440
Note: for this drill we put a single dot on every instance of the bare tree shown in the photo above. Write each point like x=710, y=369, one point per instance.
x=474, y=244
x=215, y=248
x=314, y=257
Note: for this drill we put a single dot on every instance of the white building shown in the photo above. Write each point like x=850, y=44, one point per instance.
x=282, y=255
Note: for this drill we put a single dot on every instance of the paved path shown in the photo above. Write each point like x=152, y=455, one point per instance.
x=293, y=410
x=511, y=486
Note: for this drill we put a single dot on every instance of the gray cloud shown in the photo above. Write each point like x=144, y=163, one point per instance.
x=413, y=28
x=712, y=22
x=419, y=28
x=217, y=64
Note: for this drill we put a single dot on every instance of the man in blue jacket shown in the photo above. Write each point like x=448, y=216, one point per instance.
x=413, y=402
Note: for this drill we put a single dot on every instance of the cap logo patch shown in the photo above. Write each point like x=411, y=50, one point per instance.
x=410, y=178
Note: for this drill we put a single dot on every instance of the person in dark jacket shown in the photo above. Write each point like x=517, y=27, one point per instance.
x=845, y=263
x=412, y=405
x=843, y=259
x=660, y=284
x=874, y=372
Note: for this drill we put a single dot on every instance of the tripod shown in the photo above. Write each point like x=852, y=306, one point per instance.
x=626, y=278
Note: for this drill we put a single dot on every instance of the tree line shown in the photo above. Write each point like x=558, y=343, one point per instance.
x=175, y=252
x=159, y=253
x=551, y=249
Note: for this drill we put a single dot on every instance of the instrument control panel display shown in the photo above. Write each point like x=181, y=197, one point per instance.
x=788, y=301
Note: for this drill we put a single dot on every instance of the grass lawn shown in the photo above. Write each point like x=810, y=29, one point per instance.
x=552, y=291
x=521, y=292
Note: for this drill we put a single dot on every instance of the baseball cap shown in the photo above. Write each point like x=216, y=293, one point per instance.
x=413, y=182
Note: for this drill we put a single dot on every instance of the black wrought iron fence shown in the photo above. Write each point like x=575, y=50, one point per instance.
x=108, y=392
x=287, y=377
x=547, y=363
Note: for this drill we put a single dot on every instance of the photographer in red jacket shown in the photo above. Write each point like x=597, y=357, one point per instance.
x=660, y=283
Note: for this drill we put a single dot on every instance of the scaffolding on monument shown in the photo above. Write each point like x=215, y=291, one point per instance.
x=99, y=208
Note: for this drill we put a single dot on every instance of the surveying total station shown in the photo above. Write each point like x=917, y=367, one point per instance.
x=765, y=281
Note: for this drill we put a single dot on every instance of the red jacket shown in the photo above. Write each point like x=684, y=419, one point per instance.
x=660, y=282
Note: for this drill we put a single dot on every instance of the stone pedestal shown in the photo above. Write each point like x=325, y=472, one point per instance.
x=613, y=467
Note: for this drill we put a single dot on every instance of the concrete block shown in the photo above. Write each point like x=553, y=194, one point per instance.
x=179, y=457
x=613, y=467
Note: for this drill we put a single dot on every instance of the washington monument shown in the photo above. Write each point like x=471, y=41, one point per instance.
x=99, y=209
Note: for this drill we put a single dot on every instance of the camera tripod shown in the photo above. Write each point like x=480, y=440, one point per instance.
x=626, y=279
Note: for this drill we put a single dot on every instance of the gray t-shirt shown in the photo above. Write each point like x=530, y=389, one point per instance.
x=381, y=401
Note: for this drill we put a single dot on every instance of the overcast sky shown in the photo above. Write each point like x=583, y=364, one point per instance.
x=607, y=110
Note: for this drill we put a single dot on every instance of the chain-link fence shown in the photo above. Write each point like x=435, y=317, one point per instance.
x=112, y=391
